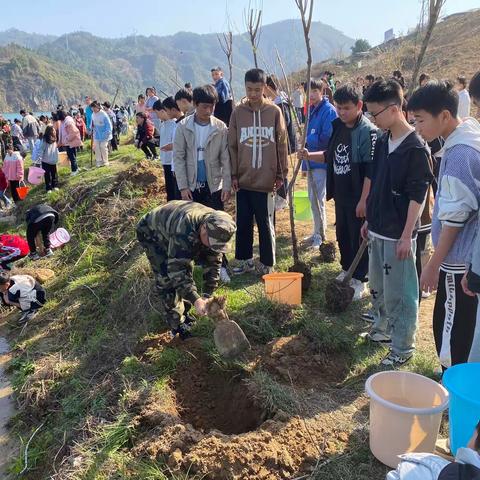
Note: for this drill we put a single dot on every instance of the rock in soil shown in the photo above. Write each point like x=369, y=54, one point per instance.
x=41, y=275
x=302, y=267
x=338, y=296
x=327, y=252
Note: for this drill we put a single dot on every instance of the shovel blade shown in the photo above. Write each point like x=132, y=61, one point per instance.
x=230, y=339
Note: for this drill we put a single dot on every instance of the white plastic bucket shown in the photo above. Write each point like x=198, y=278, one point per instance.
x=59, y=237
x=405, y=414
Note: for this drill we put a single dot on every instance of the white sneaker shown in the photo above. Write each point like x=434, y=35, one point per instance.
x=224, y=276
x=280, y=203
x=340, y=276
x=73, y=174
x=316, y=241
x=264, y=269
x=359, y=287
x=49, y=192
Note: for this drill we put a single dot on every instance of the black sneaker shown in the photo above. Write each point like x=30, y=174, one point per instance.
x=27, y=316
x=183, y=331
x=190, y=320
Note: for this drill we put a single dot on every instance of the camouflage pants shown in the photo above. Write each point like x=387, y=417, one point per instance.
x=172, y=307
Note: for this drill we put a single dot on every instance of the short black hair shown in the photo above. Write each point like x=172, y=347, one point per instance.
x=205, y=94
x=183, y=93
x=170, y=103
x=462, y=80
x=272, y=82
x=61, y=115
x=188, y=85
x=23, y=112
x=141, y=96
x=4, y=278
x=107, y=104
x=158, y=105
x=317, y=85
x=369, y=77
x=423, y=77
x=256, y=75
x=435, y=97
x=95, y=104
x=216, y=69
x=384, y=91
x=474, y=87
x=346, y=93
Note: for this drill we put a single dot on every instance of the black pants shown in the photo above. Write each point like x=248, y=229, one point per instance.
x=5, y=265
x=454, y=320
x=14, y=184
x=41, y=298
x=213, y=200
x=347, y=228
x=170, y=182
x=223, y=111
x=51, y=177
x=44, y=226
x=261, y=207
x=72, y=156
x=421, y=243
x=114, y=142
x=149, y=149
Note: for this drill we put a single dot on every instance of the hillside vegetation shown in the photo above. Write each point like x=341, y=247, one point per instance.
x=135, y=62
x=454, y=49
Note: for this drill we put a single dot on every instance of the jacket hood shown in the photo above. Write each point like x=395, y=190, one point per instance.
x=245, y=105
x=468, y=456
x=467, y=133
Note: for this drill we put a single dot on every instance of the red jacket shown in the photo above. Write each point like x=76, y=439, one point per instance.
x=3, y=181
x=12, y=246
x=145, y=132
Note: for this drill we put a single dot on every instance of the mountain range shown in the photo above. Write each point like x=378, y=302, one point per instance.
x=39, y=71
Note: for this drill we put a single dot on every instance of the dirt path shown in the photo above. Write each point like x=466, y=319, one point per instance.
x=7, y=410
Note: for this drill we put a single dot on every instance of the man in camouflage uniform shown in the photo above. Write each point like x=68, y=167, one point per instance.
x=175, y=236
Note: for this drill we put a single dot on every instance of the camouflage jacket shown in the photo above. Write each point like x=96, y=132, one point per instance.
x=176, y=227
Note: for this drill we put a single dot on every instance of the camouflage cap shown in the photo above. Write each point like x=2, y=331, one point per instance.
x=220, y=229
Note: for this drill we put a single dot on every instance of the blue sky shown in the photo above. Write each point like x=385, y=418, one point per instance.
x=113, y=18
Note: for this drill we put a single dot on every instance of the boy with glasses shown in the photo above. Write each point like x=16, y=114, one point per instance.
x=399, y=183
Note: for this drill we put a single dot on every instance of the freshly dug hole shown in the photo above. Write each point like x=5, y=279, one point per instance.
x=210, y=399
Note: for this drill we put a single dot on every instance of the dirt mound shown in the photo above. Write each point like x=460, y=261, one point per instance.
x=213, y=400
x=295, y=360
x=145, y=175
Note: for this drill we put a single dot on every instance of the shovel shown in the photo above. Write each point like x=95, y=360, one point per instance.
x=339, y=294
x=228, y=336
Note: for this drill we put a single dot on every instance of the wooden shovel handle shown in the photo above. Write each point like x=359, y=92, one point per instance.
x=356, y=261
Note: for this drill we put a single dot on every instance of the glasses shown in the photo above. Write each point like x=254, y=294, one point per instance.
x=375, y=115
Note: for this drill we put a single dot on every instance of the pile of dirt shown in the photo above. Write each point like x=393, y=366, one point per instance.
x=41, y=275
x=295, y=361
x=145, y=175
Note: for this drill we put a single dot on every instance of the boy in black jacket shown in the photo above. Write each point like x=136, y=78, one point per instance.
x=40, y=219
x=400, y=179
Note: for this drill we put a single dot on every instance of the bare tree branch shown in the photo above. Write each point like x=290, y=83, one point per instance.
x=253, y=19
x=226, y=44
x=434, y=9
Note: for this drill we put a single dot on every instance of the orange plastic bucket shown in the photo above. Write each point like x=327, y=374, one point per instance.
x=22, y=192
x=284, y=287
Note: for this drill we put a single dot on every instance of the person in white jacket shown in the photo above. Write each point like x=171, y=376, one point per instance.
x=463, y=98
x=427, y=466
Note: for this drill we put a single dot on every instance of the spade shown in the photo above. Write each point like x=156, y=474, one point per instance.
x=339, y=294
x=228, y=336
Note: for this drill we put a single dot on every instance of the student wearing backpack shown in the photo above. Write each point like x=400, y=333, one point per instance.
x=30, y=128
x=48, y=157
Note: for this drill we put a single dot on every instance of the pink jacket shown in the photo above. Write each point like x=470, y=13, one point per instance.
x=13, y=167
x=69, y=134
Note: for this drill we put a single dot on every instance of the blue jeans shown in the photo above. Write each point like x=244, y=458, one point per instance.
x=319, y=177
x=5, y=199
x=394, y=290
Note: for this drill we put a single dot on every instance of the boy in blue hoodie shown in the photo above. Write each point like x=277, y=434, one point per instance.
x=454, y=222
x=322, y=114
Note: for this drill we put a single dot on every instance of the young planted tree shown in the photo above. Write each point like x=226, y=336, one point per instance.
x=431, y=9
x=253, y=20
x=226, y=44
x=306, y=13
